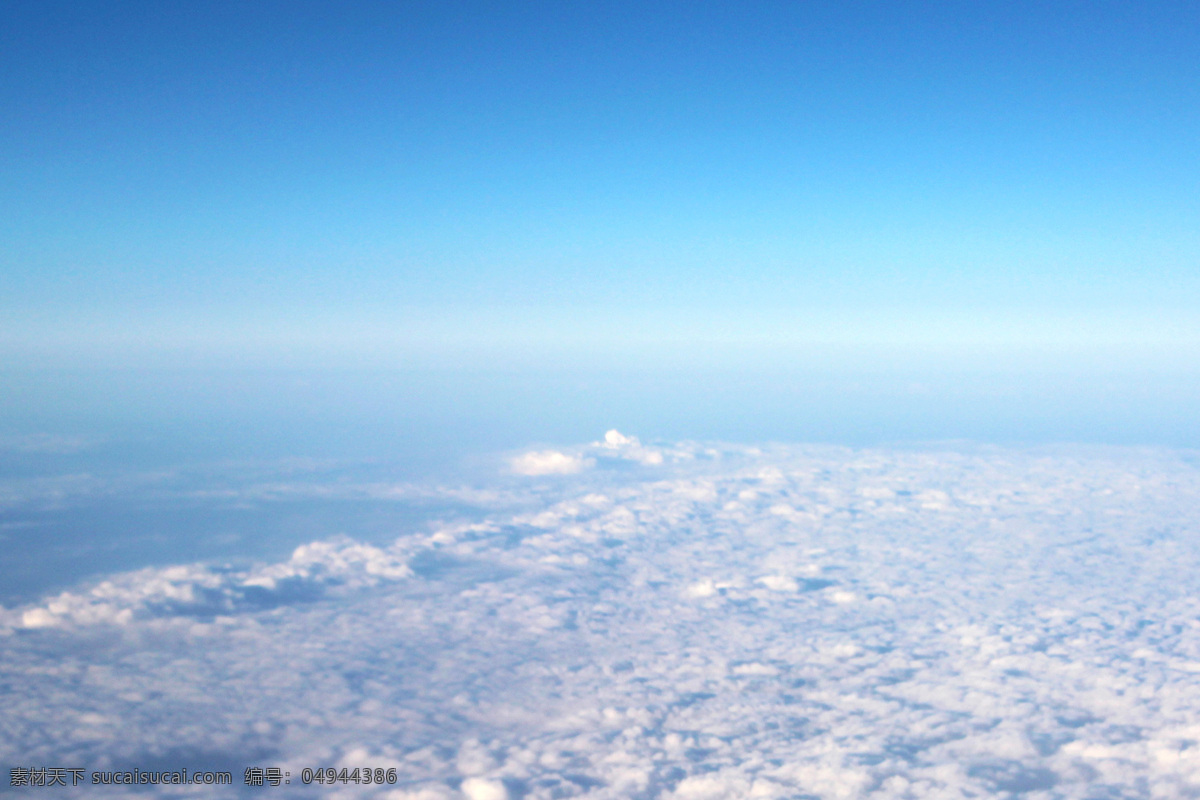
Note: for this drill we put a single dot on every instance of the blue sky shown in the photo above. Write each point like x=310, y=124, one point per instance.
x=324, y=185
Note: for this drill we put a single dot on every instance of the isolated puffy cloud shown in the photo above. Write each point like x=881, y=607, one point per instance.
x=629, y=447
x=615, y=447
x=548, y=462
x=735, y=622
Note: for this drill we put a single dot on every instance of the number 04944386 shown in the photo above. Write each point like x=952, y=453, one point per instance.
x=360, y=775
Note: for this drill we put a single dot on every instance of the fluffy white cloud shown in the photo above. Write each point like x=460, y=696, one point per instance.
x=629, y=447
x=197, y=590
x=483, y=789
x=734, y=623
x=549, y=462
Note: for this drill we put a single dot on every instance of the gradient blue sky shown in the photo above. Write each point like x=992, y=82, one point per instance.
x=328, y=185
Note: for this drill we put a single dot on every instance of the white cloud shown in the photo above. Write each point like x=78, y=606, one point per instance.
x=198, y=590
x=483, y=789
x=549, y=462
x=779, y=583
x=629, y=447
x=614, y=439
x=637, y=633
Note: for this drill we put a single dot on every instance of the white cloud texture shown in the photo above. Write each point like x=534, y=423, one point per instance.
x=629, y=447
x=548, y=462
x=203, y=591
x=786, y=622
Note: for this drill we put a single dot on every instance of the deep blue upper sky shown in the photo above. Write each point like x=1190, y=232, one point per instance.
x=396, y=176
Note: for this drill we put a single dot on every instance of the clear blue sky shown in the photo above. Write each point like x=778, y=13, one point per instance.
x=246, y=174
x=800, y=188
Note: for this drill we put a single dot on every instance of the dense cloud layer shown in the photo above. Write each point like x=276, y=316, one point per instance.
x=681, y=622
